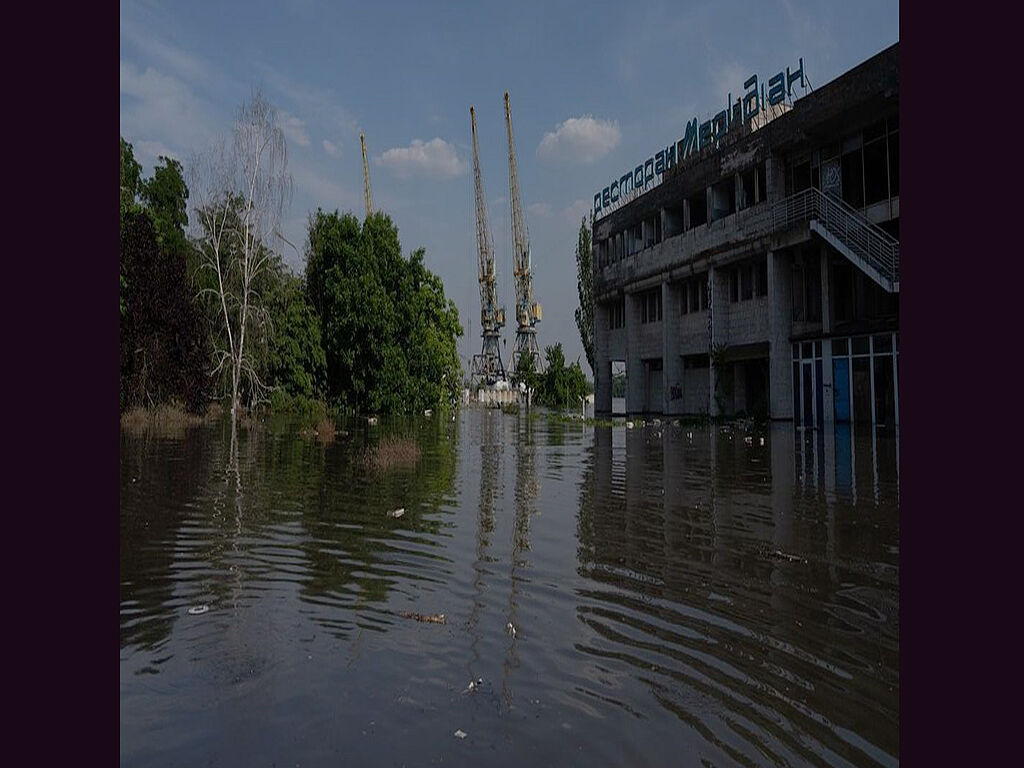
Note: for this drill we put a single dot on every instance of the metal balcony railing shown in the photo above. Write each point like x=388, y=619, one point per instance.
x=875, y=247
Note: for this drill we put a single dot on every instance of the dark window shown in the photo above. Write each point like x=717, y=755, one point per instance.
x=762, y=277
x=860, y=345
x=816, y=177
x=853, y=178
x=894, y=164
x=883, y=344
x=698, y=209
x=748, y=184
x=723, y=198
x=876, y=181
x=734, y=284
x=801, y=176
x=747, y=277
x=650, y=306
x=839, y=347
x=684, y=296
x=703, y=289
x=762, y=184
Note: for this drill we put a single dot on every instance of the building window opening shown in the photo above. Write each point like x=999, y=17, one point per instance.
x=617, y=314
x=698, y=209
x=761, y=180
x=650, y=306
x=852, y=165
x=748, y=187
x=618, y=387
x=723, y=198
x=734, y=285
x=747, y=282
x=674, y=221
x=801, y=176
x=876, y=174
x=761, y=288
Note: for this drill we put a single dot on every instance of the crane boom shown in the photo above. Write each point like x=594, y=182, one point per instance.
x=366, y=178
x=528, y=313
x=486, y=366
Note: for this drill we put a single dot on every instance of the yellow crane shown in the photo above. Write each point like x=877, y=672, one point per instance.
x=528, y=312
x=366, y=178
x=486, y=366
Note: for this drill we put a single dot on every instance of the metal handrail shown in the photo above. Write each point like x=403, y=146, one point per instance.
x=868, y=241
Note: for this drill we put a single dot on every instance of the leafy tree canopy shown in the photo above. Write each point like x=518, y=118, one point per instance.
x=388, y=330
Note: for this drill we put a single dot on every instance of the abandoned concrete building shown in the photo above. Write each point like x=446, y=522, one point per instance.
x=761, y=276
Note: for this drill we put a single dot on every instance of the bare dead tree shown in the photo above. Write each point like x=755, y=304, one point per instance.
x=242, y=191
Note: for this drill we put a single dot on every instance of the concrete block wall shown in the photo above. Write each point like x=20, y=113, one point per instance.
x=748, y=321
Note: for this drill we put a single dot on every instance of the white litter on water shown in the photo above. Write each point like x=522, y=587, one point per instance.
x=461, y=734
x=195, y=610
x=397, y=512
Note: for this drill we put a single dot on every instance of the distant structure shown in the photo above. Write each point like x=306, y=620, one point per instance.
x=486, y=367
x=366, y=178
x=528, y=313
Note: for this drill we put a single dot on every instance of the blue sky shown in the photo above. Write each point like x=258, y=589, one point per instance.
x=595, y=88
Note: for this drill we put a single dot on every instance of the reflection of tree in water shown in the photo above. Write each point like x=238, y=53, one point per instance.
x=491, y=448
x=526, y=490
x=355, y=552
x=160, y=479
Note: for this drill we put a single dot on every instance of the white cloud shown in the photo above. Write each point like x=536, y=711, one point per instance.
x=543, y=210
x=580, y=139
x=332, y=149
x=576, y=210
x=294, y=129
x=435, y=159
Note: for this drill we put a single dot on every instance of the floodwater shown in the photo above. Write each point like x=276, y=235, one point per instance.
x=679, y=596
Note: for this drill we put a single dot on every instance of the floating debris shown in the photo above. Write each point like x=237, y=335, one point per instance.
x=780, y=555
x=629, y=425
x=371, y=420
x=474, y=684
x=748, y=440
x=397, y=512
x=197, y=610
x=428, y=412
x=461, y=734
x=510, y=629
x=762, y=441
x=434, y=618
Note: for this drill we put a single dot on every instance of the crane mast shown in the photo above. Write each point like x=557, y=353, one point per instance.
x=487, y=365
x=366, y=178
x=528, y=313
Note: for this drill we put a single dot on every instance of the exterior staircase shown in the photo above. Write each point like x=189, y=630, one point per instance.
x=873, y=250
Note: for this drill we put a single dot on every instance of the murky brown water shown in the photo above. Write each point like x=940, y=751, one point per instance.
x=680, y=597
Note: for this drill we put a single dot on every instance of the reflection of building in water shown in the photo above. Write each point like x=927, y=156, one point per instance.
x=762, y=274
x=720, y=572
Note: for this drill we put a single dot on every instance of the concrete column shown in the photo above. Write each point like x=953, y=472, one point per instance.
x=603, y=372
x=780, y=352
x=709, y=204
x=672, y=363
x=775, y=179
x=741, y=201
x=686, y=215
x=663, y=217
x=634, y=366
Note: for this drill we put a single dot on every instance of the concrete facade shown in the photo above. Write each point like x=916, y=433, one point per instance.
x=777, y=305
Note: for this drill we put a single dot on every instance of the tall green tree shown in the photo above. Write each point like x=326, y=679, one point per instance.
x=585, y=286
x=388, y=330
x=164, y=345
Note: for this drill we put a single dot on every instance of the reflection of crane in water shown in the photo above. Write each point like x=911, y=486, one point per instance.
x=490, y=452
x=525, y=497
